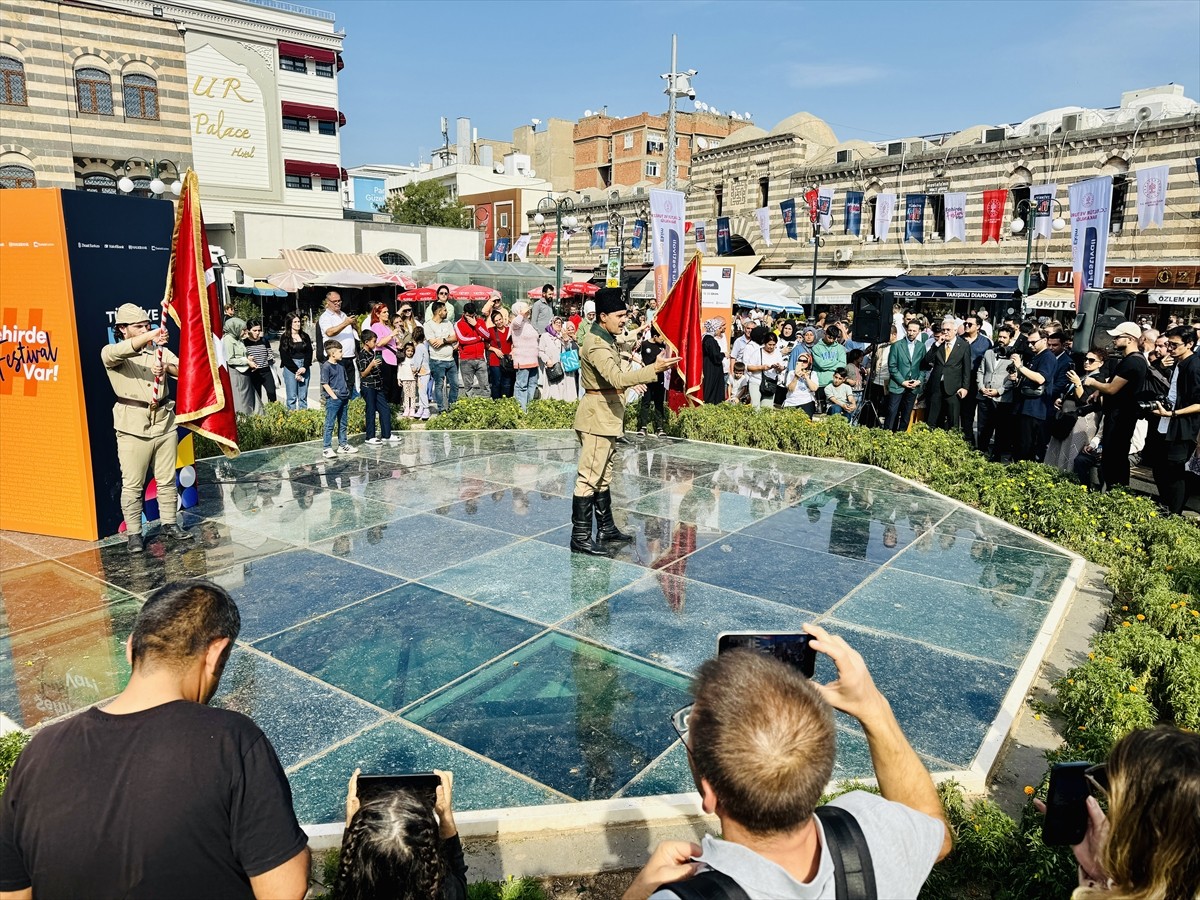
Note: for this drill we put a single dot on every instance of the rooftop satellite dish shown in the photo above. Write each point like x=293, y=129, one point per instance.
x=536, y=122
x=697, y=104
x=747, y=116
x=588, y=113
x=701, y=143
x=531, y=173
x=499, y=169
x=704, y=106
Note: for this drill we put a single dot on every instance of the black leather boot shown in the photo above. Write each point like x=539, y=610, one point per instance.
x=606, y=528
x=581, y=528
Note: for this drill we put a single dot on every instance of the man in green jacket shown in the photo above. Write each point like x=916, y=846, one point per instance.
x=904, y=376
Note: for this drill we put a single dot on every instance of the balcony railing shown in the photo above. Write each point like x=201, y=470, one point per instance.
x=294, y=8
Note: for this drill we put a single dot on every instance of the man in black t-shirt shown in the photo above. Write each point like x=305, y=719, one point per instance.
x=157, y=795
x=1120, y=403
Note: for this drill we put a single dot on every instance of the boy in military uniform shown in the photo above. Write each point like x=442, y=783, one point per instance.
x=600, y=420
x=145, y=428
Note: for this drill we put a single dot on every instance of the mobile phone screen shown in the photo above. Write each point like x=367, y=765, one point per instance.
x=1066, y=805
x=423, y=784
x=792, y=648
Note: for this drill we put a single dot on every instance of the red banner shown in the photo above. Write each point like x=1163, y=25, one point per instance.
x=994, y=204
x=205, y=400
x=678, y=321
x=813, y=199
x=545, y=244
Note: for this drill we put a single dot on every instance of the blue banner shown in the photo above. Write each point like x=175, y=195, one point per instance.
x=639, y=231
x=500, y=251
x=369, y=193
x=914, y=218
x=724, y=243
x=854, y=200
x=788, y=208
x=599, y=235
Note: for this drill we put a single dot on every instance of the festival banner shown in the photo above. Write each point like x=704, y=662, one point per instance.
x=701, y=230
x=521, y=247
x=666, y=238
x=763, y=215
x=687, y=226
x=1151, y=196
x=994, y=203
x=956, y=217
x=724, y=236
x=812, y=199
x=914, y=218
x=678, y=322
x=825, y=208
x=204, y=402
x=1041, y=198
x=639, y=230
x=1089, y=202
x=788, y=209
x=854, y=200
x=500, y=251
x=885, y=208
x=599, y=236
x=545, y=244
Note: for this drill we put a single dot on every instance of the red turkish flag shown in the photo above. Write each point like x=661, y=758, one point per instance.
x=678, y=321
x=545, y=244
x=204, y=402
x=994, y=204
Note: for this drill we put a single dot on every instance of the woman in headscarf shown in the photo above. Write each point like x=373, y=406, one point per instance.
x=802, y=347
x=713, y=377
x=245, y=398
x=555, y=385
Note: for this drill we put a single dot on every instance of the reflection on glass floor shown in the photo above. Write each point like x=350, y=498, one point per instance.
x=417, y=605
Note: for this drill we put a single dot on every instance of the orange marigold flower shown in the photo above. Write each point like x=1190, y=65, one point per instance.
x=1028, y=791
x=1133, y=688
x=1124, y=624
x=1141, y=618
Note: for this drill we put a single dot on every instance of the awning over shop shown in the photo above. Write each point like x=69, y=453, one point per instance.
x=1054, y=299
x=1175, y=298
x=322, y=170
x=261, y=290
x=259, y=269
x=309, y=111
x=306, y=51
x=323, y=263
x=957, y=287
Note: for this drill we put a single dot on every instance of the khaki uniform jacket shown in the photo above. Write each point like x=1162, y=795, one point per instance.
x=131, y=377
x=601, y=369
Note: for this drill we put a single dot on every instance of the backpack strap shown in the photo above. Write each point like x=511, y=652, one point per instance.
x=854, y=873
x=708, y=885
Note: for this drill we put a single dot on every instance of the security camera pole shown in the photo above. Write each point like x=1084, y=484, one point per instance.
x=678, y=85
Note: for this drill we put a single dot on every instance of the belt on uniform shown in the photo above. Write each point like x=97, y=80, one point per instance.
x=141, y=404
x=616, y=391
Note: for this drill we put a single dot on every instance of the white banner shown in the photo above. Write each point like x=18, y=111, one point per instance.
x=666, y=239
x=885, y=209
x=701, y=230
x=520, y=247
x=1041, y=198
x=763, y=214
x=1090, y=202
x=1151, y=195
x=956, y=217
x=825, y=205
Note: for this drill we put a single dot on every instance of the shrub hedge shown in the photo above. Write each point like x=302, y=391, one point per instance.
x=277, y=425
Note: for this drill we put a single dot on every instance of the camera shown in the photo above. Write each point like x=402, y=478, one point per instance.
x=1148, y=405
x=1003, y=352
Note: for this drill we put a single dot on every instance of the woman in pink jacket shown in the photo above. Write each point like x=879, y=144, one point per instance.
x=524, y=353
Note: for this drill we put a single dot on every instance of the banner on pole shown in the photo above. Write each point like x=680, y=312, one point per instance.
x=994, y=203
x=914, y=218
x=545, y=244
x=1041, y=198
x=1151, y=195
x=599, y=236
x=500, y=251
x=724, y=239
x=854, y=200
x=825, y=208
x=788, y=210
x=701, y=230
x=885, y=208
x=812, y=199
x=1090, y=203
x=521, y=247
x=639, y=231
x=666, y=238
x=763, y=214
x=956, y=217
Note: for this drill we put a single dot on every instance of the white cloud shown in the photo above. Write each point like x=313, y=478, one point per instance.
x=810, y=75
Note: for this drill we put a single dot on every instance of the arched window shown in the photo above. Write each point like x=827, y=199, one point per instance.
x=17, y=177
x=12, y=82
x=141, y=97
x=392, y=258
x=99, y=183
x=141, y=186
x=93, y=88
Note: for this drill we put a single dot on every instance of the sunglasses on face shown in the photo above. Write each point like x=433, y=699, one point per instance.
x=1091, y=359
x=679, y=721
x=1097, y=777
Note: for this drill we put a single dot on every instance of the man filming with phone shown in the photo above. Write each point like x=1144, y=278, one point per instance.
x=761, y=745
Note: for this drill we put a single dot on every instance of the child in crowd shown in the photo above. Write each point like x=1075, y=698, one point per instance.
x=407, y=377
x=337, y=399
x=839, y=395
x=370, y=380
x=420, y=365
x=740, y=389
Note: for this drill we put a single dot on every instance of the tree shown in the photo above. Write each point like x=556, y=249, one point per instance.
x=426, y=203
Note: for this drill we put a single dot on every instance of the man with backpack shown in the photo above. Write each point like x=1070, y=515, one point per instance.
x=760, y=743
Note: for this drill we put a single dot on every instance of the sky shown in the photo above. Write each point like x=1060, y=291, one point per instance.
x=874, y=71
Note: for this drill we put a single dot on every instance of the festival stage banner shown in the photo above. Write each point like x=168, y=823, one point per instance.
x=639, y=231
x=545, y=244
x=599, y=236
x=956, y=217
x=788, y=210
x=724, y=237
x=885, y=209
x=1041, y=198
x=994, y=203
x=521, y=247
x=666, y=238
x=678, y=322
x=763, y=215
x=854, y=200
x=825, y=208
x=914, y=218
x=1151, y=195
x=701, y=230
x=1090, y=202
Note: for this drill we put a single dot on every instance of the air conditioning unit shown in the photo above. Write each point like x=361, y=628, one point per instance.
x=1073, y=122
x=1039, y=129
x=845, y=156
x=993, y=135
x=896, y=148
x=843, y=254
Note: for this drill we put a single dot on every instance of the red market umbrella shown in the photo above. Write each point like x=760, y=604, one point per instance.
x=475, y=292
x=536, y=293
x=400, y=280
x=580, y=289
x=422, y=295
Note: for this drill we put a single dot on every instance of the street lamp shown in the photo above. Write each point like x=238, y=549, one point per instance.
x=561, y=209
x=618, y=223
x=1027, y=223
x=679, y=84
x=814, y=215
x=156, y=168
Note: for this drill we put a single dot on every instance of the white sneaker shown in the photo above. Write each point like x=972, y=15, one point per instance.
x=328, y=453
x=346, y=449
x=394, y=439
x=374, y=440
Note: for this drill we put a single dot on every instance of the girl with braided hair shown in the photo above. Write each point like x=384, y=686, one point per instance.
x=398, y=847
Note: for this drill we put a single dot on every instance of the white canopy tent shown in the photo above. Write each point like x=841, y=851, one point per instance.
x=762, y=293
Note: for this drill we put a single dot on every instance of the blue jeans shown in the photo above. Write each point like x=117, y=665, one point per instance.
x=835, y=410
x=338, y=410
x=443, y=376
x=526, y=386
x=296, y=391
x=501, y=382
x=376, y=402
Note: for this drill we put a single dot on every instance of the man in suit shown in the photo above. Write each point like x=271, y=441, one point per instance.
x=949, y=363
x=904, y=376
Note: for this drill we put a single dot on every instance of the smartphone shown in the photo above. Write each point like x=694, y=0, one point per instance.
x=423, y=784
x=1066, y=805
x=793, y=648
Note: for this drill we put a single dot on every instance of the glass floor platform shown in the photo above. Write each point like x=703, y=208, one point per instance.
x=416, y=606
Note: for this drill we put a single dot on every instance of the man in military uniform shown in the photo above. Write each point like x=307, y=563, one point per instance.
x=145, y=428
x=600, y=420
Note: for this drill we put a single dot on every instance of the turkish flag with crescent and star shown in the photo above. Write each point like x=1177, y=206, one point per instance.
x=678, y=321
